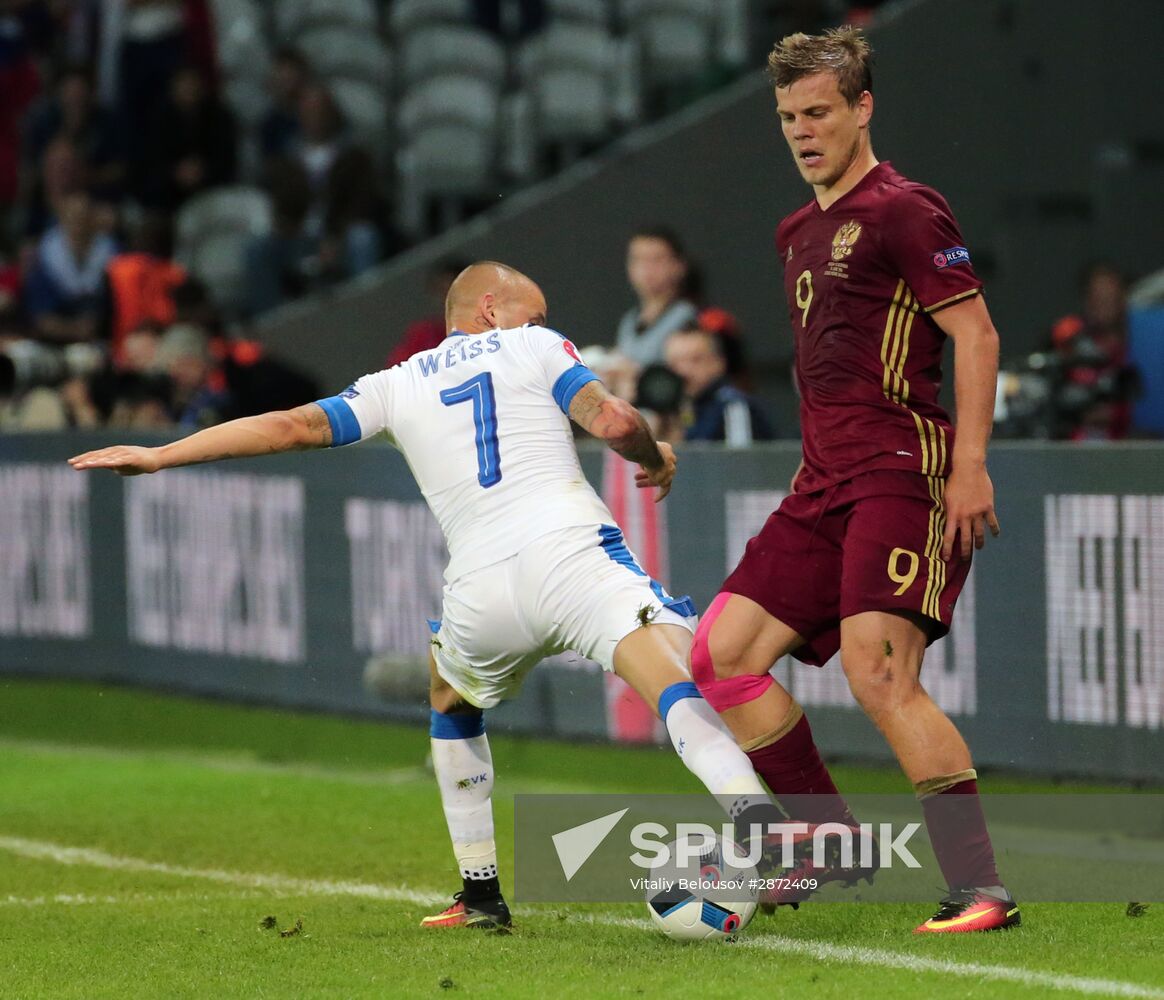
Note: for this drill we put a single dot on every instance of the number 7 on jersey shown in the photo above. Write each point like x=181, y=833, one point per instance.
x=479, y=391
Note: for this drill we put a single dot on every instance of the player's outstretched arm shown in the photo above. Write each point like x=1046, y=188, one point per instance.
x=969, y=491
x=623, y=429
x=266, y=434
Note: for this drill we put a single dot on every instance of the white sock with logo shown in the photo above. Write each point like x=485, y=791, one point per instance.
x=464, y=772
x=712, y=754
x=708, y=749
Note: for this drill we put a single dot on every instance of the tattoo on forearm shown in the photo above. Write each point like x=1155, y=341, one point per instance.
x=317, y=424
x=587, y=405
x=639, y=445
x=617, y=423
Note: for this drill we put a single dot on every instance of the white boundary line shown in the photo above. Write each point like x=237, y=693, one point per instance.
x=882, y=958
x=854, y=955
x=820, y=950
x=80, y=899
x=226, y=763
x=40, y=850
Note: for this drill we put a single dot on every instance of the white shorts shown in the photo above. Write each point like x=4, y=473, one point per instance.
x=576, y=588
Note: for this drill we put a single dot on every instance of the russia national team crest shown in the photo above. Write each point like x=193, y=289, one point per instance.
x=845, y=239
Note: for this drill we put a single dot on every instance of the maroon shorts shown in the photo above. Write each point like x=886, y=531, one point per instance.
x=871, y=543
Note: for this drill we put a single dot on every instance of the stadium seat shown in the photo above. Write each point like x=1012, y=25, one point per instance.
x=405, y=16
x=595, y=12
x=463, y=98
x=632, y=10
x=571, y=105
x=438, y=50
x=517, y=157
x=449, y=127
x=292, y=17
x=347, y=52
x=366, y=111
x=446, y=161
x=240, y=39
x=585, y=46
x=213, y=230
x=627, y=81
x=239, y=209
x=248, y=99
x=676, y=38
x=567, y=71
x=731, y=46
x=451, y=158
x=240, y=36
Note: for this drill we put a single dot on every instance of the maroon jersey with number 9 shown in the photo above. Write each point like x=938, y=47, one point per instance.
x=863, y=280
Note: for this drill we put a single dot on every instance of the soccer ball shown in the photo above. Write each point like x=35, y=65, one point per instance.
x=706, y=900
x=694, y=918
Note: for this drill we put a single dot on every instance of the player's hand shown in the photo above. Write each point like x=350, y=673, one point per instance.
x=969, y=509
x=125, y=460
x=660, y=477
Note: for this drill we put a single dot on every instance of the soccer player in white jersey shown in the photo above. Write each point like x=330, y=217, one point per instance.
x=537, y=564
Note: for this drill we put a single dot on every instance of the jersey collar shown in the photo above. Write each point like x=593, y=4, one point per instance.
x=883, y=167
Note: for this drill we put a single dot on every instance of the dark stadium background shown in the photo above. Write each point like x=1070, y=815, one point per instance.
x=1037, y=119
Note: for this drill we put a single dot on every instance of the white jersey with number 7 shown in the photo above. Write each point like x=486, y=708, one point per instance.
x=482, y=422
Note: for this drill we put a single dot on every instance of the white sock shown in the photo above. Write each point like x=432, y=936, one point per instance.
x=464, y=772
x=709, y=750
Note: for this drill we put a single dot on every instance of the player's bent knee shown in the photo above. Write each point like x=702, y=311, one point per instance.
x=706, y=667
x=718, y=677
x=722, y=693
x=877, y=685
x=673, y=693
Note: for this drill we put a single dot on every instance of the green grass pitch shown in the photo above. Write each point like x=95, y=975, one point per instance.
x=145, y=838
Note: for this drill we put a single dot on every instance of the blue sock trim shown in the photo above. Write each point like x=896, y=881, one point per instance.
x=674, y=693
x=460, y=725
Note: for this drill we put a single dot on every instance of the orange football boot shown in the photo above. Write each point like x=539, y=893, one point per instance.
x=965, y=910
x=487, y=914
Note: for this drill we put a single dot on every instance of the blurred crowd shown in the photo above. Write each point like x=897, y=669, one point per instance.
x=111, y=121
x=1083, y=384
x=683, y=360
x=677, y=357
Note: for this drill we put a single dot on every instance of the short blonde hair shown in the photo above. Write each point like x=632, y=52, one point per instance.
x=844, y=52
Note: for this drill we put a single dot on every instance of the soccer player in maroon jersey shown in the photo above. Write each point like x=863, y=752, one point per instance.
x=870, y=551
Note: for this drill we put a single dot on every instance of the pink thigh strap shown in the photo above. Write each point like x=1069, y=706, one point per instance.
x=721, y=692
